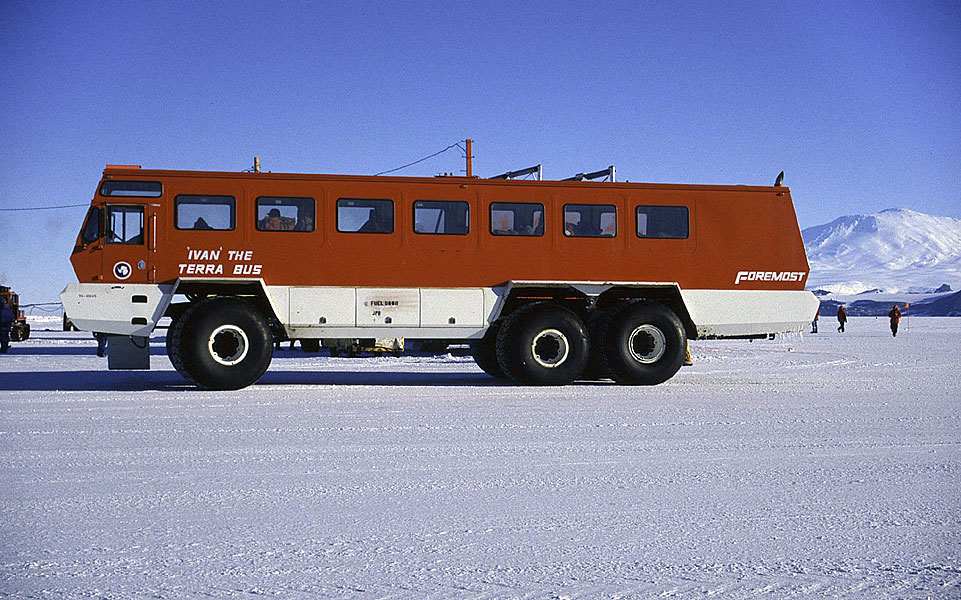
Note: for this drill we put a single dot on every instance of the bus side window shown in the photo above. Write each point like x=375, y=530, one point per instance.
x=590, y=220
x=664, y=222
x=276, y=213
x=205, y=212
x=365, y=215
x=517, y=218
x=125, y=225
x=446, y=217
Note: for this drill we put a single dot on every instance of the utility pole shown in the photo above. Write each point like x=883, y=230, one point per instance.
x=470, y=172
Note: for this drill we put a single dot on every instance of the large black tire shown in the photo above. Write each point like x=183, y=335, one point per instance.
x=543, y=344
x=643, y=344
x=485, y=352
x=174, y=353
x=224, y=343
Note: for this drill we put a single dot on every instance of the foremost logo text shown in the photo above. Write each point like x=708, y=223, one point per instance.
x=769, y=276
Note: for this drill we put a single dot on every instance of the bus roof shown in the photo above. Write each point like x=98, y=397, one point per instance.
x=111, y=171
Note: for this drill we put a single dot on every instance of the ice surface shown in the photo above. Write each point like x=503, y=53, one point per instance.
x=815, y=466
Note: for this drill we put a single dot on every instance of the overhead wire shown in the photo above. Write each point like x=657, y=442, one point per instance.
x=420, y=160
x=43, y=207
x=57, y=307
x=410, y=164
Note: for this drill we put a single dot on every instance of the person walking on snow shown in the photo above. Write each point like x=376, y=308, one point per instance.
x=6, y=323
x=814, y=323
x=895, y=316
x=101, y=343
x=842, y=318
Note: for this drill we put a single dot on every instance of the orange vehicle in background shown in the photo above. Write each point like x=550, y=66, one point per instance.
x=549, y=281
x=20, y=330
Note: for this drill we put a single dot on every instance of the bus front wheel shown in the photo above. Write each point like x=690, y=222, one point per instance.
x=226, y=343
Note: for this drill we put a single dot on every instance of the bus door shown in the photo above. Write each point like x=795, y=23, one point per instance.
x=125, y=249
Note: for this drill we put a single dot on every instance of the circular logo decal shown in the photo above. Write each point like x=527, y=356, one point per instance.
x=122, y=270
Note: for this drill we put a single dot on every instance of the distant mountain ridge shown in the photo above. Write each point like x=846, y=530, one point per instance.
x=897, y=250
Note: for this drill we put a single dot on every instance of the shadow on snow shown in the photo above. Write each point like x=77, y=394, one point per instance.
x=104, y=380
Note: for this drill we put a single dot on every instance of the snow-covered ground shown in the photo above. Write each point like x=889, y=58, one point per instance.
x=816, y=466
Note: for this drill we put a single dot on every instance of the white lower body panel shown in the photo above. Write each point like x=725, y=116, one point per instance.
x=416, y=313
x=735, y=313
x=120, y=309
x=419, y=313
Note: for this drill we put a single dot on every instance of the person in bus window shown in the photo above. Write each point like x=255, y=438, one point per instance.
x=200, y=223
x=274, y=221
x=305, y=224
x=538, y=224
x=377, y=222
x=610, y=228
x=585, y=228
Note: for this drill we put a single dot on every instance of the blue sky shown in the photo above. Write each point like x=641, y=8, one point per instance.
x=859, y=103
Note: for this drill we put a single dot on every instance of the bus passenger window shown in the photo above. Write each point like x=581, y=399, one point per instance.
x=125, y=225
x=441, y=217
x=132, y=189
x=363, y=215
x=664, y=222
x=517, y=218
x=590, y=220
x=205, y=212
x=276, y=213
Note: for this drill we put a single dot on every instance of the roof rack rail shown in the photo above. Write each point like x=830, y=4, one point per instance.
x=608, y=173
x=536, y=169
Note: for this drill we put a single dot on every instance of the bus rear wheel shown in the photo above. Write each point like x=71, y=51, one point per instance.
x=225, y=343
x=543, y=344
x=485, y=352
x=644, y=344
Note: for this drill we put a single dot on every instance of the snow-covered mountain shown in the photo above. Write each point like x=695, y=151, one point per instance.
x=895, y=250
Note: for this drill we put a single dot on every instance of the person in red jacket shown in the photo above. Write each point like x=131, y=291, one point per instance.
x=895, y=316
x=842, y=318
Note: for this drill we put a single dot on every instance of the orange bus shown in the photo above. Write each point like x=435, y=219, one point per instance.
x=549, y=281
